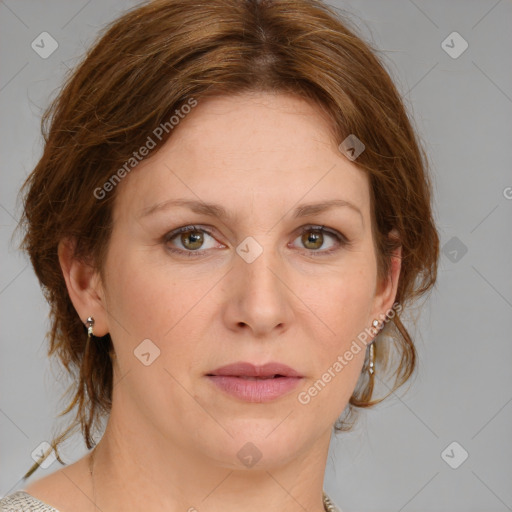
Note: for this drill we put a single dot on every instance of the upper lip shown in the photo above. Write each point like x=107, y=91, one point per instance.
x=242, y=369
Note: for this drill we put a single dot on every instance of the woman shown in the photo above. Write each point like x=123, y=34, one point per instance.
x=230, y=211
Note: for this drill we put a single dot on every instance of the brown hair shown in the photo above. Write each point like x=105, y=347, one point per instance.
x=154, y=59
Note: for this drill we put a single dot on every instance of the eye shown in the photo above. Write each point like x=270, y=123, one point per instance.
x=315, y=238
x=190, y=240
x=194, y=241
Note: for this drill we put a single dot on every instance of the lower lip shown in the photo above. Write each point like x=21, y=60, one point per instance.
x=259, y=390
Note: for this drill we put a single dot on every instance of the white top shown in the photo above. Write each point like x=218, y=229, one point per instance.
x=22, y=501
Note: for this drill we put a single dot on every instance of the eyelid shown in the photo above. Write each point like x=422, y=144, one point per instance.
x=323, y=229
x=186, y=229
x=340, y=238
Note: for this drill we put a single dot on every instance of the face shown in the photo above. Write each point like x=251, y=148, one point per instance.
x=218, y=256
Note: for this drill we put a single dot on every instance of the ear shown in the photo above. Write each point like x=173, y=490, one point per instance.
x=387, y=288
x=84, y=287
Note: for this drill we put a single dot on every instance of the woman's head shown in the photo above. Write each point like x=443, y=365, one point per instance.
x=242, y=105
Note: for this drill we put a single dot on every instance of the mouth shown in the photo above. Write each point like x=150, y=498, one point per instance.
x=253, y=378
x=250, y=371
x=251, y=383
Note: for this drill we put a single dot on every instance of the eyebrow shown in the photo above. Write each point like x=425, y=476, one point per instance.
x=216, y=210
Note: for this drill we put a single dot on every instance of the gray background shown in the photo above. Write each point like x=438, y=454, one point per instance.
x=462, y=108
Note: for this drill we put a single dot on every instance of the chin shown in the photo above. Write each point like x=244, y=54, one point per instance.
x=261, y=444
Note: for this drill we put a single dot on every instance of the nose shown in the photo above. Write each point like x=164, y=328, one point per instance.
x=258, y=298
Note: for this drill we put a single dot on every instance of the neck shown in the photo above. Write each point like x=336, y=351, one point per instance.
x=130, y=473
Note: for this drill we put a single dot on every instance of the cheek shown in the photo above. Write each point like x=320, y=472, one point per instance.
x=148, y=300
x=138, y=301
x=344, y=300
x=145, y=303
x=344, y=308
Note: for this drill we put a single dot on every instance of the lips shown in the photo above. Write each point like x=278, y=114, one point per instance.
x=251, y=383
x=250, y=371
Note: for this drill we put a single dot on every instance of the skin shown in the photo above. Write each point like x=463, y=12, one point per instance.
x=172, y=438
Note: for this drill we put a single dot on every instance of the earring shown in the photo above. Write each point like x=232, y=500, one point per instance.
x=371, y=363
x=90, y=323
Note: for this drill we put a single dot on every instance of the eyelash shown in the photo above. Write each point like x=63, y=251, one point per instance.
x=340, y=239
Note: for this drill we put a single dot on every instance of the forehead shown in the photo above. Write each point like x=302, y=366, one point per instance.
x=272, y=148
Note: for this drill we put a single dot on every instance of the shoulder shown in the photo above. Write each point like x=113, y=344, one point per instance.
x=22, y=501
x=62, y=491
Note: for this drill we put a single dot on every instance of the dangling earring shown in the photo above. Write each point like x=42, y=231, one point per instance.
x=371, y=363
x=90, y=323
